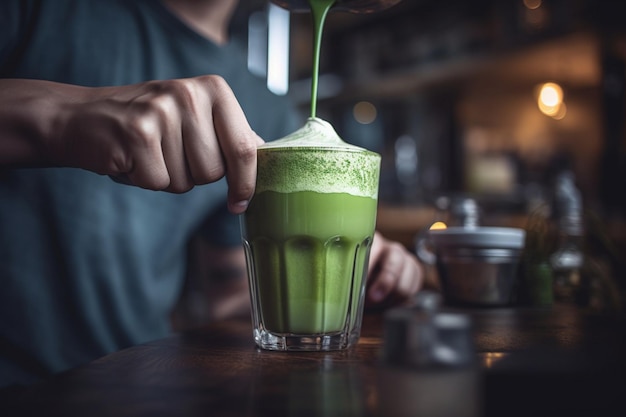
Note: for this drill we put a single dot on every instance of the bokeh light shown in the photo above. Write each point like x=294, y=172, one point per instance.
x=364, y=112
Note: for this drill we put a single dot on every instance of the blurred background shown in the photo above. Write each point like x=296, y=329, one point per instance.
x=488, y=100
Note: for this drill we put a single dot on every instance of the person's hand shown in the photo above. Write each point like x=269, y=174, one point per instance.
x=395, y=275
x=161, y=135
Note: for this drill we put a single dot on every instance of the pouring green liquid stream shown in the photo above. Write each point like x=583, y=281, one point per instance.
x=319, y=10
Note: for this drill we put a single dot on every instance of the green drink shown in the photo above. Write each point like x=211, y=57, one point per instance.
x=307, y=234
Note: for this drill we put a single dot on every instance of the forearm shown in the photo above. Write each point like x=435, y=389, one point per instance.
x=30, y=115
x=162, y=135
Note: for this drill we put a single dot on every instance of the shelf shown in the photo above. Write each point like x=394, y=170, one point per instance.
x=572, y=58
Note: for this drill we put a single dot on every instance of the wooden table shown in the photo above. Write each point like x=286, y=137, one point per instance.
x=531, y=362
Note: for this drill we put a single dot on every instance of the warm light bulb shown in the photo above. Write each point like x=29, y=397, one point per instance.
x=550, y=100
x=438, y=226
x=551, y=94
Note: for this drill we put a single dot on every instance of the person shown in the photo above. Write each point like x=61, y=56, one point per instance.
x=126, y=130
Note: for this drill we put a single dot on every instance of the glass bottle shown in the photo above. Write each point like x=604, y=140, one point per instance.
x=568, y=259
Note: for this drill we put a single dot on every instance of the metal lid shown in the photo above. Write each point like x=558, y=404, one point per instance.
x=483, y=237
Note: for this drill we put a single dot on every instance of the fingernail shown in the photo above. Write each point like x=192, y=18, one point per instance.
x=240, y=206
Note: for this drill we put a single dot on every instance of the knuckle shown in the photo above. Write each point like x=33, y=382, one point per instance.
x=162, y=105
x=217, y=85
x=182, y=90
x=217, y=82
x=245, y=149
x=166, y=95
x=143, y=127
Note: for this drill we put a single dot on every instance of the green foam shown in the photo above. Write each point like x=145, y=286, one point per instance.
x=315, y=159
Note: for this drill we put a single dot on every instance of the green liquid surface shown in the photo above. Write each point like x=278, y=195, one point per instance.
x=309, y=253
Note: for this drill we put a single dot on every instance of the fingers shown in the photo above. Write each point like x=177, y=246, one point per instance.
x=145, y=140
x=172, y=135
x=196, y=155
x=212, y=139
x=238, y=144
x=173, y=142
x=202, y=149
x=395, y=274
x=144, y=165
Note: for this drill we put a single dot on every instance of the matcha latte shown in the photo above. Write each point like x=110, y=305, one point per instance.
x=307, y=233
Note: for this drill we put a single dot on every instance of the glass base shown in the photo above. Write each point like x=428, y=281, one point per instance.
x=313, y=343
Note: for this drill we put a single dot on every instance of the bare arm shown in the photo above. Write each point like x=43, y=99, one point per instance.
x=161, y=135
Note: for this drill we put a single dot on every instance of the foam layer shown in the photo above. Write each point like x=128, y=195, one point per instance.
x=314, y=158
x=315, y=132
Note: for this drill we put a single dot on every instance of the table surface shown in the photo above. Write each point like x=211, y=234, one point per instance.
x=555, y=361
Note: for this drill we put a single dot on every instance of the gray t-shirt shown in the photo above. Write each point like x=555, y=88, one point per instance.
x=89, y=266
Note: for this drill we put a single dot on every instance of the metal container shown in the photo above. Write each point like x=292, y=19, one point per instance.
x=352, y=6
x=477, y=266
x=429, y=365
x=425, y=337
